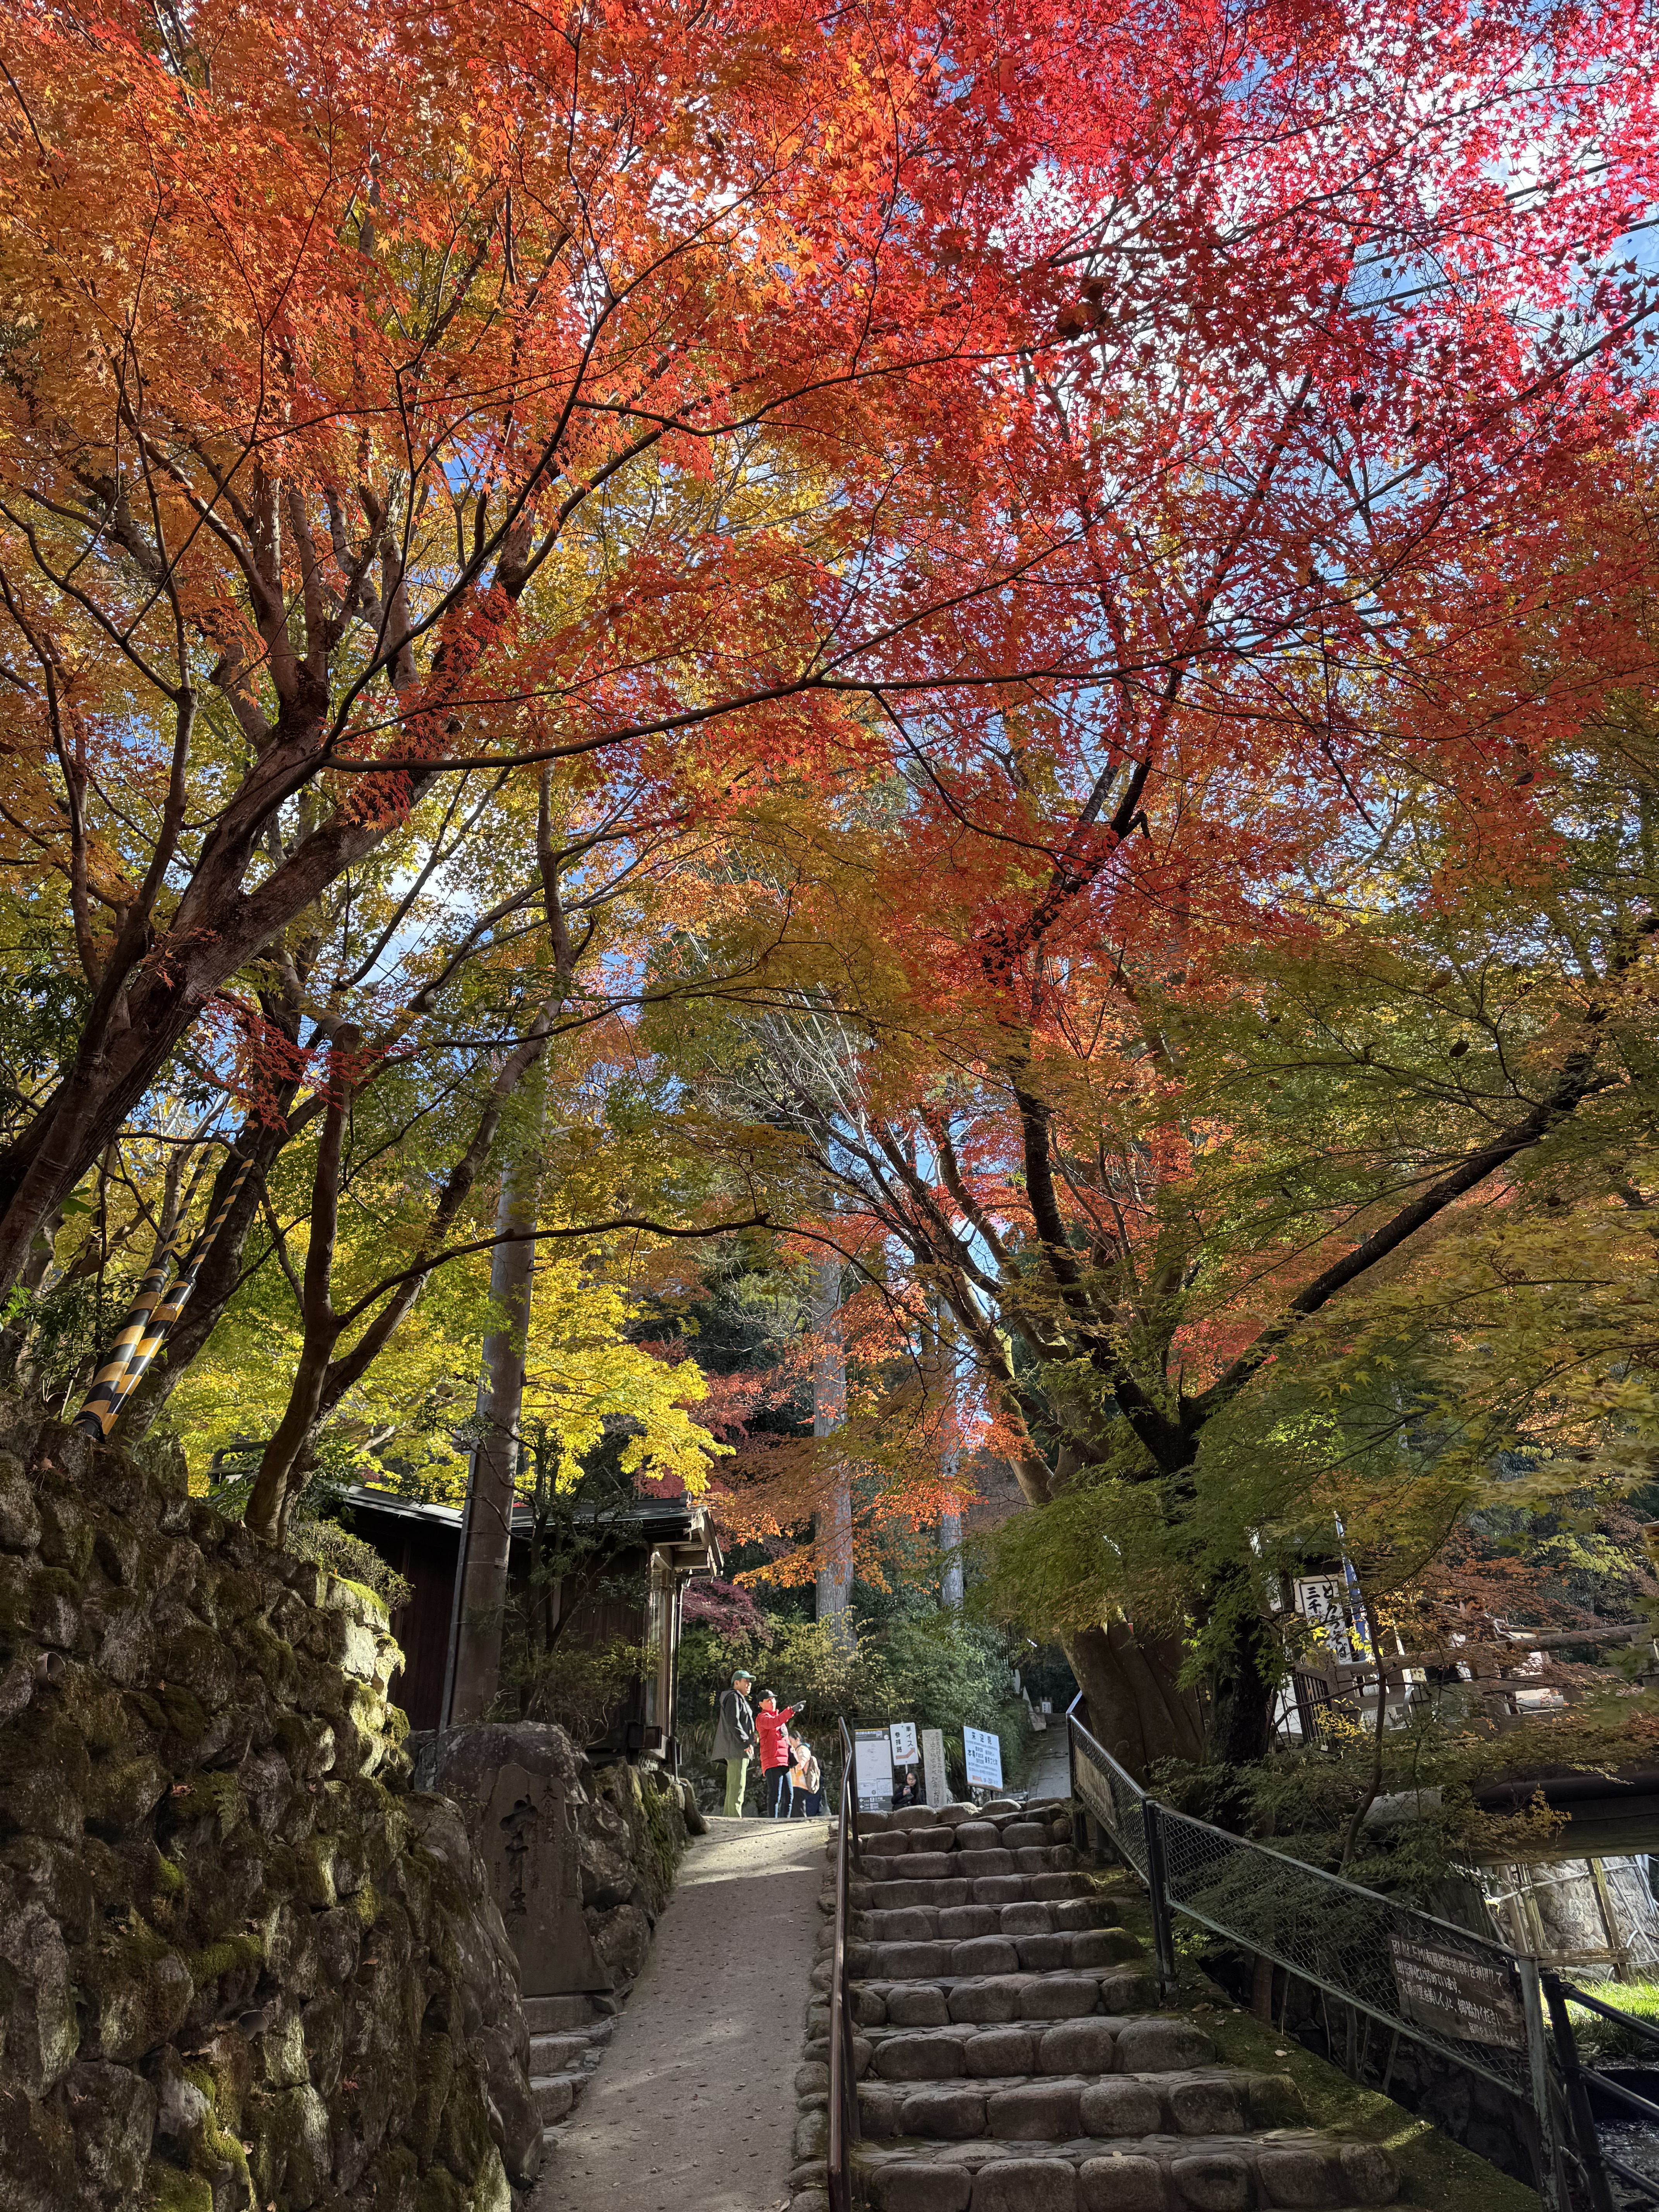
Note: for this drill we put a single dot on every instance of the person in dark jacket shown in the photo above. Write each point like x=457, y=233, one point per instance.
x=734, y=1740
x=773, y=1727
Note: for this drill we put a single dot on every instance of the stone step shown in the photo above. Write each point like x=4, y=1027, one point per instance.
x=1150, y=2173
x=903, y=1891
x=989, y=2000
x=1058, y=2108
x=1026, y=1916
x=554, y=2094
x=1049, y=1811
x=925, y=1960
x=557, y=2015
x=557, y=2054
x=1035, y=1855
x=1154, y=2044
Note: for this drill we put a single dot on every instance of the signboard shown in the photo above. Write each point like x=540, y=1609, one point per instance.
x=1470, y=2000
x=1323, y=1600
x=983, y=1755
x=935, y=1787
x=873, y=1768
x=1321, y=1597
x=903, y=1736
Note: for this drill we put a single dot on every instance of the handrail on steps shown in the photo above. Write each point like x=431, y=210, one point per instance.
x=843, y=2079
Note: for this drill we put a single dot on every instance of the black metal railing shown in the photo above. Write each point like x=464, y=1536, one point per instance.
x=844, y=2196
x=1587, y=2084
x=1442, y=1987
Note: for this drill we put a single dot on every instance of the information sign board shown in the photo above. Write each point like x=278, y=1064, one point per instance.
x=982, y=1752
x=1472, y=2000
x=873, y=1768
x=903, y=1736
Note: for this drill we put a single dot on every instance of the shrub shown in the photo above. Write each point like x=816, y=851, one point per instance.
x=576, y=1685
x=1603, y=2042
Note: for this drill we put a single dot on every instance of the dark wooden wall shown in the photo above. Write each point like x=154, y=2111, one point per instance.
x=425, y=1556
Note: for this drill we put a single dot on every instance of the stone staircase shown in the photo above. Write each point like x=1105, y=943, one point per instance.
x=568, y=2038
x=1012, y=2055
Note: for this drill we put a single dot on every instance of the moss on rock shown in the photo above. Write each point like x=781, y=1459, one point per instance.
x=232, y=1955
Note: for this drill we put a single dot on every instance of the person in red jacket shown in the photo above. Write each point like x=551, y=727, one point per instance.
x=772, y=1728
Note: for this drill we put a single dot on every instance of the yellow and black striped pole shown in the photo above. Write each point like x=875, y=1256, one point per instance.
x=149, y=1318
x=99, y=1410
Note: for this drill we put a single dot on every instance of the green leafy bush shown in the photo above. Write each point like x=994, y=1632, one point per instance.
x=576, y=1685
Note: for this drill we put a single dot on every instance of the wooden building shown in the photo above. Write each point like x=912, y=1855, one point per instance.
x=656, y=1544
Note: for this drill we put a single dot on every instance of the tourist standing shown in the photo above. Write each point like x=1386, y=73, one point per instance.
x=773, y=1727
x=805, y=1779
x=734, y=1740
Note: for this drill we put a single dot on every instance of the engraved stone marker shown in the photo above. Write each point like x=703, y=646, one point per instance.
x=530, y=1846
x=932, y=1767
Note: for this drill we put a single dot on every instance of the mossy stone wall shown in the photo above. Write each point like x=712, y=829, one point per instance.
x=242, y=1962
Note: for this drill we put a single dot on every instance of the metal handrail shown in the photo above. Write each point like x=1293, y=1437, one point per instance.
x=1594, y=2159
x=843, y=2078
x=1135, y=1823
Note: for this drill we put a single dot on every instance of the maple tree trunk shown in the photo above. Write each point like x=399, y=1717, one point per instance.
x=287, y=1456
x=1136, y=1707
x=488, y=1521
x=154, y=990
x=1246, y=1684
x=221, y=1270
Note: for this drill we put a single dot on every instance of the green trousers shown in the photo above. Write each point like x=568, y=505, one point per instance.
x=737, y=1775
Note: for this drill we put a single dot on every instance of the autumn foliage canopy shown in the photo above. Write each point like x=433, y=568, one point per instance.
x=1069, y=546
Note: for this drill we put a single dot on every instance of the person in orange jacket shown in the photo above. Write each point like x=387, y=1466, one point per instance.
x=772, y=1728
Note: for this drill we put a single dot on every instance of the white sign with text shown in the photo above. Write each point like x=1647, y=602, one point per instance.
x=982, y=1753
x=903, y=1736
x=873, y=1768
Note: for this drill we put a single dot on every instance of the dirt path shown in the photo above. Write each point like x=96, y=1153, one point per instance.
x=694, y=2107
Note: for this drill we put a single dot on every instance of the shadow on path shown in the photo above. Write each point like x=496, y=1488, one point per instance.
x=694, y=2108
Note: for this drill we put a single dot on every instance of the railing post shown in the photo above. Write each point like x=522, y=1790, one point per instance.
x=1079, y=1811
x=1157, y=1891
x=1552, y=2179
x=1587, y=2139
x=842, y=2174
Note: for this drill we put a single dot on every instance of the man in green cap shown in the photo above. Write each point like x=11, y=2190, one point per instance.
x=734, y=1740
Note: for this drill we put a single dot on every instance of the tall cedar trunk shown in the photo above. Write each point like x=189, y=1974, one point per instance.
x=950, y=1542
x=834, y=1586
x=488, y=1518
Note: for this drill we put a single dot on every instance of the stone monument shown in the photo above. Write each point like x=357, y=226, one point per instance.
x=530, y=1846
x=935, y=1787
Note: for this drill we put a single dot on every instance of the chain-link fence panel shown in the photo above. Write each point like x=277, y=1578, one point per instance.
x=1444, y=1987
x=1115, y=1797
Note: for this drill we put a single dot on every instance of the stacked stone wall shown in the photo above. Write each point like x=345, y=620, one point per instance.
x=242, y=1962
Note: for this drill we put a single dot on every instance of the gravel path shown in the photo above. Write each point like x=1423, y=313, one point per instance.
x=694, y=2108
